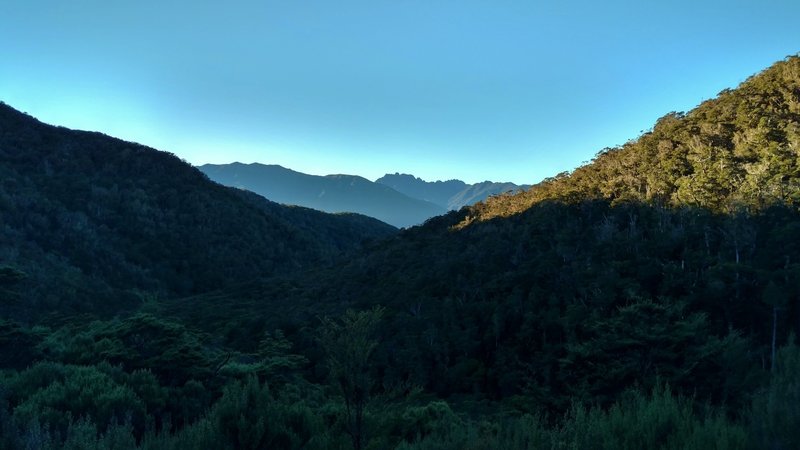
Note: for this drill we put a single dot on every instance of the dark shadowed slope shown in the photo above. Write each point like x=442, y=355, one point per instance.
x=332, y=193
x=566, y=292
x=82, y=213
x=495, y=326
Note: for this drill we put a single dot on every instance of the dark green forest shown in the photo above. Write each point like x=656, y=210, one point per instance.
x=648, y=299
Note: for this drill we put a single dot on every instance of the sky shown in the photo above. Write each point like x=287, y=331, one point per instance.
x=475, y=90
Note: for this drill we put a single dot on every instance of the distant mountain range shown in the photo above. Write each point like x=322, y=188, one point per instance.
x=400, y=200
x=451, y=194
x=332, y=193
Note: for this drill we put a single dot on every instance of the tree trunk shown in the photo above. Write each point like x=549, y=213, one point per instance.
x=358, y=437
x=774, y=335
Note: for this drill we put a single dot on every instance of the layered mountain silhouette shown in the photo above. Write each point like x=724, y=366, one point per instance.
x=400, y=200
x=84, y=212
x=332, y=193
x=451, y=194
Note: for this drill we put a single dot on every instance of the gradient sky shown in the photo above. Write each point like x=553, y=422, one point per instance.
x=500, y=90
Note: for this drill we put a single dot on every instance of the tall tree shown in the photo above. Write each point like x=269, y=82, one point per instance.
x=349, y=342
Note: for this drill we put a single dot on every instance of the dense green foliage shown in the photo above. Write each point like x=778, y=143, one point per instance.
x=737, y=151
x=648, y=300
x=93, y=221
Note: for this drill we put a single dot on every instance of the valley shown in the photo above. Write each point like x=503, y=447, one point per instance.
x=648, y=299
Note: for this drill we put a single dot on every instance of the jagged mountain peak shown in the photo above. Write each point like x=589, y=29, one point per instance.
x=331, y=193
x=450, y=194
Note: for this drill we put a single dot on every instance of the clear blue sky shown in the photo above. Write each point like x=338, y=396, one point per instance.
x=499, y=90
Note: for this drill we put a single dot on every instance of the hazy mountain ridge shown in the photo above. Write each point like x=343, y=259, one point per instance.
x=439, y=192
x=87, y=213
x=451, y=194
x=331, y=193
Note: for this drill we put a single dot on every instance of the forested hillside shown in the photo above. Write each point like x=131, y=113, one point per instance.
x=88, y=222
x=649, y=299
x=736, y=152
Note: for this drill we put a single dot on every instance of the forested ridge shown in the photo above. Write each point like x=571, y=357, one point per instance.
x=649, y=299
x=738, y=151
x=97, y=222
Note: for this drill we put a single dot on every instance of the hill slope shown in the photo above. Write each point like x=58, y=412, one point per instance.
x=332, y=193
x=739, y=151
x=575, y=291
x=88, y=217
